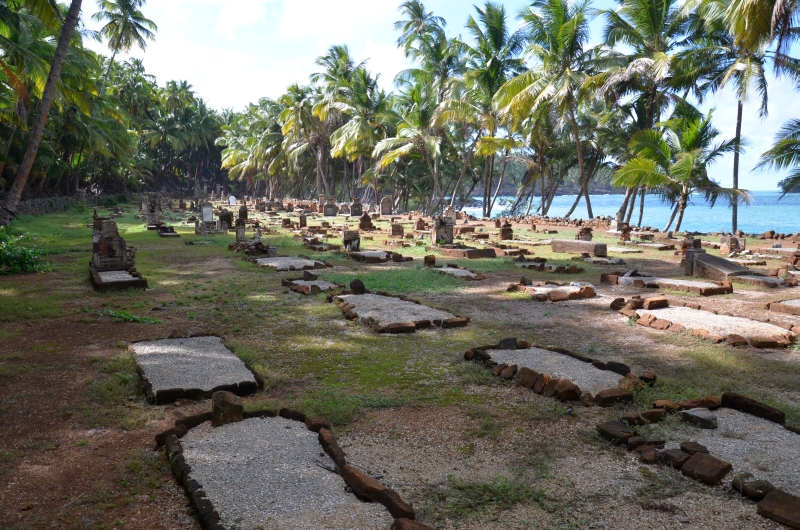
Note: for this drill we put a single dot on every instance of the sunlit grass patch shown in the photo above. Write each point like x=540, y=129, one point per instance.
x=399, y=280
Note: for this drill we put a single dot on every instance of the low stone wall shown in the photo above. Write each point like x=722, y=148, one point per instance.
x=45, y=206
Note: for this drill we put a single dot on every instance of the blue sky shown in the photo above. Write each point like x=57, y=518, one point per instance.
x=235, y=51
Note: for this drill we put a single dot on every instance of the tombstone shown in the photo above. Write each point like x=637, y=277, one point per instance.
x=730, y=244
x=112, y=264
x=344, y=209
x=321, y=202
x=303, y=221
x=617, y=223
x=145, y=205
x=225, y=220
x=386, y=205
x=153, y=220
x=182, y=204
x=243, y=212
x=506, y=232
x=420, y=224
x=241, y=234
x=449, y=212
x=232, y=200
x=584, y=234
x=289, y=207
x=397, y=230
x=351, y=240
x=442, y=232
x=356, y=209
x=365, y=222
x=330, y=209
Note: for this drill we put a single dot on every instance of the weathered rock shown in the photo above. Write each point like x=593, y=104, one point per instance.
x=309, y=276
x=430, y=261
x=706, y=468
x=226, y=407
x=291, y=414
x=599, y=250
x=396, y=506
x=630, y=381
x=566, y=390
x=635, y=442
x=357, y=286
x=763, y=342
x=661, y=325
x=509, y=372
x=526, y=377
x=618, y=368
x=541, y=382
x=617, y=304
x=669, y=406
x=751, y=406
x=498, y=368
x=649, y=377
x=648, y=455
x=656, y=302
x=508, y=344
x=757, y=489
x=781, y=507
x=549, y=389
x=558, y=296
x=408, y=524
x=610, y=396
x=703, y=418
x=615, y=431
x=739, y=479
x=736, y=340
x=315, y=424
x=644, y=417
x=693, y=447
x=395, y=328
x=708, y=402
x=364, y=486
x=676, y=458
x=587, y=400
x=329, y=444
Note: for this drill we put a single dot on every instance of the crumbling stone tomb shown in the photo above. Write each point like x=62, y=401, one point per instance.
x=112, y=266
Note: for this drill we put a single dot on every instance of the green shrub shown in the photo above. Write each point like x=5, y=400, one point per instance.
x=15, y=259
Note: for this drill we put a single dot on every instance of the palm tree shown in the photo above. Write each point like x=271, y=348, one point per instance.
x=785, y=154
x=674, y=162
x=125, y=27
x=9, y=208
x=558, y=34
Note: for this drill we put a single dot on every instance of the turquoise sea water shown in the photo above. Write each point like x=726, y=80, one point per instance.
x=766, y=213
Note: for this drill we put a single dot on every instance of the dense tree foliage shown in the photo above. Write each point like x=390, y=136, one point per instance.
x=526, y=106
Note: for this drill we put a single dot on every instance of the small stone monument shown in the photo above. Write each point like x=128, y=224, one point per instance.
x=225, y=221
x=506, y=232
x=420, y=224
x=351, y=240
x=330, y=209
x=240, y=233
x=232, y=200
x=344, y=209
x=397, y=230
x=584, y=234
x=112, y=266
x=206, y=223
x=365, y=222
x=449, y=212
x=442, y=233
x=729, y=244
x=386, y=205
x=356, y=209
x=243, y=212
x=302, y=221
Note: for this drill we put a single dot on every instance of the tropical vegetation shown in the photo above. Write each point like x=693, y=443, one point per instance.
x=528, y=105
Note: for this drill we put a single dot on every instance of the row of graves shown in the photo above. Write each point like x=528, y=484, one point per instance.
x=245, y=468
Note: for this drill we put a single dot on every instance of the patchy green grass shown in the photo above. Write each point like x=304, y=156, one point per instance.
x=398, y=280
x=114, y=397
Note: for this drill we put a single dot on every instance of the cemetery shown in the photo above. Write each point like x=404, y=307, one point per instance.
x=389, y=384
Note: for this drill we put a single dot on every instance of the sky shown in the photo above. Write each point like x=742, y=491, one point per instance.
x=234, y=52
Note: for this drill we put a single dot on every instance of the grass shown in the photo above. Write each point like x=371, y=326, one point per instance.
x=415, y=279
x=114, y=398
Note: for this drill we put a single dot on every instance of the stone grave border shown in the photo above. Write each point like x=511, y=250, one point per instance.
x=723, y=287
x=137, y=283
x=623, y=432
x=364, y=487
x=555, y=295
x=390, y=256
x=540, y=265
x=479, y=276
x=171, y=395
x=304, y=289
x=397, y=327
x=166, y=231
x=325, y=264
x=563, y=389
x=464, y=252
x=780, y=307
x=631, y=308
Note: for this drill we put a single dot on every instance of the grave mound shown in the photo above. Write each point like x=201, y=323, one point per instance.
x=788, y=307
x=556, y=292
x=389, y=314
x=284, y=264
x=692, y=286
x=377, y=256
x=196, y=367
x=310, y=286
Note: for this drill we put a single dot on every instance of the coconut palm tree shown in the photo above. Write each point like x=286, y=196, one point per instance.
x=558, y=36
x=125, y=27
x=785, y=154
x=674, y=161
x=9, y=208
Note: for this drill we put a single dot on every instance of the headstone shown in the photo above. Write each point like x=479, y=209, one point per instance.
x=240, y=234
x=442, y=233
x=344, y=209
x=232, y=200
x=330, y=209
x=351, y=240
x=321, y=202
x=243, y=212
x=732, y=244
x=289, y=207
x=303, y=221
x=153, y=220
x=365, y=222
x=506, y=232
x=420, y=225
x=449, y=212
x=109, y=249
x=397, y=230
x=386, y=205
x=225, y=220
x=356, y=209
x=145, y=205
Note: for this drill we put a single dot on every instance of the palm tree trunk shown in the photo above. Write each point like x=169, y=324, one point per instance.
x=671, y=218
x=9, y=209
x=499, y=183
x=575, y=204
x=681, y=209
x=624, y=206
x=631, y=205
x=641, y=208
x=108, y=72
x=463, y=171
x=578, y=146
x=738, y=142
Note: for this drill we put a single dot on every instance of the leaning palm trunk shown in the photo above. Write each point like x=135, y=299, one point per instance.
x=631, y=205
x=9, y=209
x=738, y=140
x=463, y=171
x=682, y=202
x=499, y=184
x=575, y=204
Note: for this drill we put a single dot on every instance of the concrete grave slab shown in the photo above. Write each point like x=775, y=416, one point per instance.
x=625, y=250
x=557, y=365
x=460, y=273
x=283, y=264
x=754, y=445
x=789, y=307
x=272, y=471
x=694, y=286
x=193, y=367
x=718, y=325
x=388, y=314
x=599, y=250
x=561, y=293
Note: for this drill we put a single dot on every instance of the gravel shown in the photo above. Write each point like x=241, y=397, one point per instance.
x=751, y=444
x=715, y=324
x=289, y=264
x=265, y=473
x=196, y=363
x=387, y=310
x=458, y=273
x=793, y=303
x=586, y=376
x=116, y=276
x=324, y=286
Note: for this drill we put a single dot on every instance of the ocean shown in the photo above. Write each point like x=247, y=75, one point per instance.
x=768, y=212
